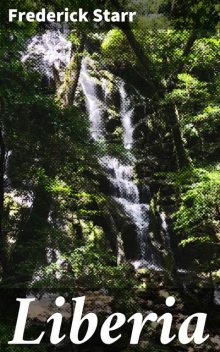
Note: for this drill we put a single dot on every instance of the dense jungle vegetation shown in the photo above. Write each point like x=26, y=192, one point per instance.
x=60, y=227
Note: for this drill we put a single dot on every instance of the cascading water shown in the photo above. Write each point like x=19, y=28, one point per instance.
x=52, y=49
x=125, y=191
x=94, y=105
x=126, y=114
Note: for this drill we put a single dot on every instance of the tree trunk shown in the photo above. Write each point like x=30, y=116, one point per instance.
x=189, y=44
x=3, y=249
x=67, y=91
x=79, y=234
x=173, y=122
x=30, y=247
x=144, y=61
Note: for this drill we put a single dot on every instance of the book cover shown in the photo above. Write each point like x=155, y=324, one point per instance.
x=109, y=176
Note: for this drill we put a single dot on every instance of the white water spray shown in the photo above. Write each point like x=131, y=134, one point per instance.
x=51, y=49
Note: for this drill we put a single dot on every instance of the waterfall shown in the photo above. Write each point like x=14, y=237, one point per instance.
x=126, y=115
x=121, y=175
x=94, y=105
x=52, y=49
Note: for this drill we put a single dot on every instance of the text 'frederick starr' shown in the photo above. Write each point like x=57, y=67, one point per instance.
x=66, y=16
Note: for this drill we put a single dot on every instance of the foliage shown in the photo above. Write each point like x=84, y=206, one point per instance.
x=200, y=200
x=115, y=41
x=87, y=267
x=197, y=219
